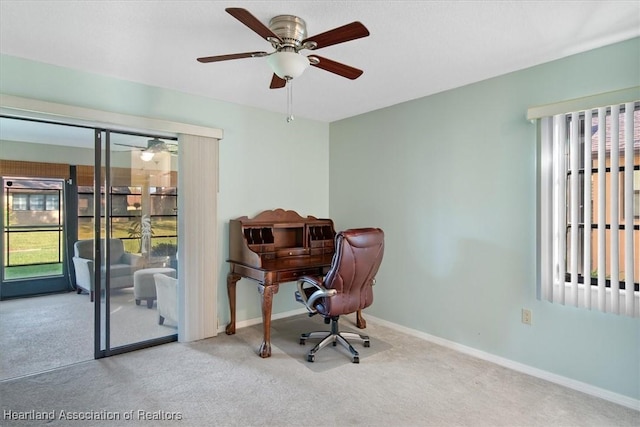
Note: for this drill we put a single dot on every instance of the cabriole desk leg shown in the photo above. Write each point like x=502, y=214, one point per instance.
x=266, y=292
x=232, y=279
x=360, y=322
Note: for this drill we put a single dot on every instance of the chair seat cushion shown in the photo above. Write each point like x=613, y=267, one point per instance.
x=119, y=270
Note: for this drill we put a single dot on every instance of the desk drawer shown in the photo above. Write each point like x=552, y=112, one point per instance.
x=283, y=253
x=291, y=276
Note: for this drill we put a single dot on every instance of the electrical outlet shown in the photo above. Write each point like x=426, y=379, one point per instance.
x=526, y=316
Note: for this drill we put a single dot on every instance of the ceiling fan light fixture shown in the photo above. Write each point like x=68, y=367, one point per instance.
x=288, y=65
x=146, y=156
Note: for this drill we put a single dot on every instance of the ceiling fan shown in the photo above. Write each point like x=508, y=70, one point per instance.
x=154, y=146
x=288, y=36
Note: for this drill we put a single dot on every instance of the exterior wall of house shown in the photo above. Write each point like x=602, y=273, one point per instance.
x=451, y=178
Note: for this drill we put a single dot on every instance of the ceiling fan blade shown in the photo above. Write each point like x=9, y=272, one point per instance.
x=252, y=22
x=218, y=58
x=336, y=67
x=352, y=31
x=129, y=145
x=277, y=82
x=154, y=146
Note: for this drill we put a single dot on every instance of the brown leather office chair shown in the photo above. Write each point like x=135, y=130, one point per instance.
x=346, y=288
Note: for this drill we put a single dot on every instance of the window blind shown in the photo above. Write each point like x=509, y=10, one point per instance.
x=589, y=208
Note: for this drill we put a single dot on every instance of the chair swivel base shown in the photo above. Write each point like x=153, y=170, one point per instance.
x=334, y=337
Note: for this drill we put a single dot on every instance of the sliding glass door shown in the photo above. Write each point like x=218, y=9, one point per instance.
x=94, y=212
x=138, y=229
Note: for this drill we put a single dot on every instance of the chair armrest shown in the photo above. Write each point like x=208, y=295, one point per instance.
x=320, y=292
x=84, y=272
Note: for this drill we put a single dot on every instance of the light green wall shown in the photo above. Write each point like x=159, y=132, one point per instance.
x=451, y=178
x=265, y=163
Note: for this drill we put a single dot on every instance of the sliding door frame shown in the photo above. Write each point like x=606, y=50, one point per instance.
x=201, y=278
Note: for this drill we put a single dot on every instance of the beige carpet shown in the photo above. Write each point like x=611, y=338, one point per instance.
x=285, y=336
x=47, y=332
x=222, y=382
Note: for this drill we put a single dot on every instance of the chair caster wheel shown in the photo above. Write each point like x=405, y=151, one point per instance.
x=302, y=342
x=356, y=359
x=367, y=344
x=311, y=358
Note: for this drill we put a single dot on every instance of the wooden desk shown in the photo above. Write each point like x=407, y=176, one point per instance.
x=275, y=247
x=269, y=277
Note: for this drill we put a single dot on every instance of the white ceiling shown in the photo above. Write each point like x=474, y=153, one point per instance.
x=416, y=48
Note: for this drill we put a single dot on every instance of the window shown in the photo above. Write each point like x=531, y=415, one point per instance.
x=33, y=235
x=35, y=201
x=20, y=202
x=52, y=202
x=590, y=229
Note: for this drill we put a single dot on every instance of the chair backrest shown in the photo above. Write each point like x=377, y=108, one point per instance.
x=354, y=267
x=84, y=249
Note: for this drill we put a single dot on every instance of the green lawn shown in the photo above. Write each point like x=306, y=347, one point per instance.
x=34, y=254
x=27, y=271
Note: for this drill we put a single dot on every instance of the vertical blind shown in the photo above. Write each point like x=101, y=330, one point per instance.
x=590, y=208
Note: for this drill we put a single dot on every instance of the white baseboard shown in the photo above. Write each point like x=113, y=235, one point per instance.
x=507, y=363
x=516, y=366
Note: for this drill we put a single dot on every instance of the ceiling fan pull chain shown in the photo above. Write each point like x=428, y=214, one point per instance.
x=289, y=100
